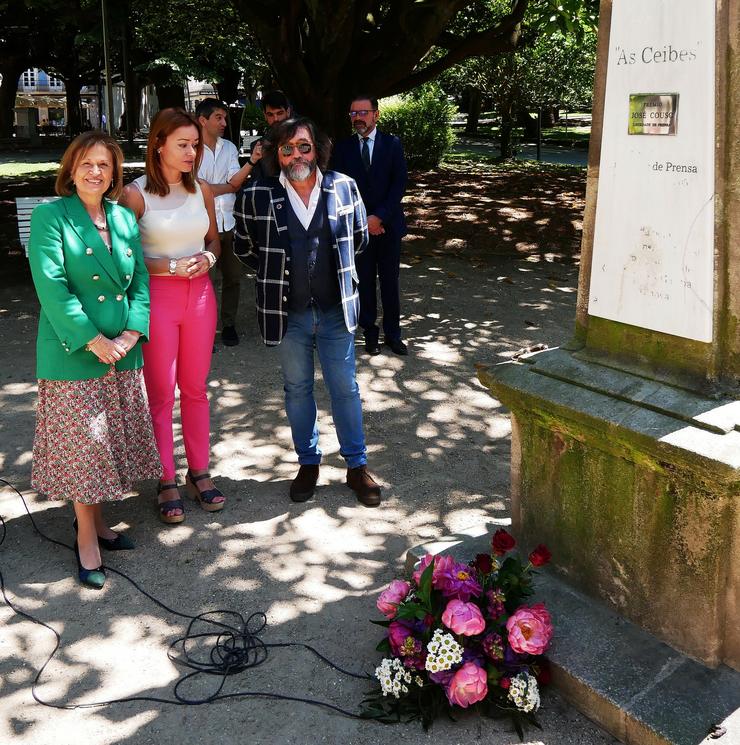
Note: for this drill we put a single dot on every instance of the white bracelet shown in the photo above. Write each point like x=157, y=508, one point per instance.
x=211, y=258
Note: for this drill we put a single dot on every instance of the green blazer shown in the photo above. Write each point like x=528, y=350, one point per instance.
x=85, y=290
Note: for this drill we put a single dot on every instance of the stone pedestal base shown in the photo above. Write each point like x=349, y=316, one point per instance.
x=634, y=486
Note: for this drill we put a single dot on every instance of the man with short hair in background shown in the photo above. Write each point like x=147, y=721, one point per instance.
x=219, y=167
x=375, y=160
x=275, y=109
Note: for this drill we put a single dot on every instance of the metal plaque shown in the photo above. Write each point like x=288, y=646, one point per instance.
x=653, y=114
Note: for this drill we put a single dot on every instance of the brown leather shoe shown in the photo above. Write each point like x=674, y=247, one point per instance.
x=303, y=485
x=364, y=486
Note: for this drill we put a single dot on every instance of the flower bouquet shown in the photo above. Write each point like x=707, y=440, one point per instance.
x=461, y=635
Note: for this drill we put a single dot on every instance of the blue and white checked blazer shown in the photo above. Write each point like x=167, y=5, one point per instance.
x=261, y=241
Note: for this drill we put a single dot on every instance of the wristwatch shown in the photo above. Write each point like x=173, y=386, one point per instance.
x=173, y=266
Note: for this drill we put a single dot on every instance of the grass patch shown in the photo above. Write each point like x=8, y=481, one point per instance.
x=13, y=170
x=475, y=162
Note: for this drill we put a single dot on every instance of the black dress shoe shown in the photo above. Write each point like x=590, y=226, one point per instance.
x=303, y=485
x=372, y=347
x=397, y=346
x=229, y=336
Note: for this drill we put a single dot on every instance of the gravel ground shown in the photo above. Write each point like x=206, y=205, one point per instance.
x=438, y=443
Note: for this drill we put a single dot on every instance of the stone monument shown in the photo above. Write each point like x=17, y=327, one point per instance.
x=626, y=442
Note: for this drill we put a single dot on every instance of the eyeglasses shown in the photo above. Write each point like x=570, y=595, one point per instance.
x=303, y=147
x=363, y=113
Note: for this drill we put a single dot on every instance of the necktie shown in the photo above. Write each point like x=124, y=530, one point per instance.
x=366, y=153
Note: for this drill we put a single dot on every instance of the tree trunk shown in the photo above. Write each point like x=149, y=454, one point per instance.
x=10, y=69
x=169, y=90
x=529, y=122
x=506, y=144
x=72, y=85
x=228, y=87
x=549, y=116
x=170, y=95
x=474, y=106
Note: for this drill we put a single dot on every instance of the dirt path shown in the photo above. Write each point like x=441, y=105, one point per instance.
x=437, y=441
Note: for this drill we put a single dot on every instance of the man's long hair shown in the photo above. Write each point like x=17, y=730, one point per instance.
x=284, y=131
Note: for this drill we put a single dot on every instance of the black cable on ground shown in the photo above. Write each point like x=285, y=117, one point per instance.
x=218, y=643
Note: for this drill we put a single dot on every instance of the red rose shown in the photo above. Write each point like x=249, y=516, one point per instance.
x=502, y=542
x=540, y=556
x=505, y=683
x=483, y=563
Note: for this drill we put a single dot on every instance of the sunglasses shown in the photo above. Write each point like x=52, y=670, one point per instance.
x=303, y=147
x=363, y=113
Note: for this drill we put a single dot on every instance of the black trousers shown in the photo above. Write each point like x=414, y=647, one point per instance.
x=380, y=260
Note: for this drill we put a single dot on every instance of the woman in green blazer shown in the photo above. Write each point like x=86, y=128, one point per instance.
x=93, y=429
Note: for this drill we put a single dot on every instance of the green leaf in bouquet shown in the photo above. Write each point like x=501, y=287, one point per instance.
x=385, y=624
x=424, y=593
x=383, y=645
x=493, y=674
x=408, y=611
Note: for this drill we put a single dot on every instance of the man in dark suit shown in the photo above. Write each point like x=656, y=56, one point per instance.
x=376, y=162
x=300, y=232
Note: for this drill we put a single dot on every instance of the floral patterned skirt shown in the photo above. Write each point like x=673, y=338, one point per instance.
x=93, y=438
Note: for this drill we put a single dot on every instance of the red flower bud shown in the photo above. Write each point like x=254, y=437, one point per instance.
x=540, y=556
x=505, y=683
x=543, y=674
x=483, y=563
x=502, y=542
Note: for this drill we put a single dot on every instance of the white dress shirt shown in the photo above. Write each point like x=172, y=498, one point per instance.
x=303, y=213
x=217, y=167
x=370, y=142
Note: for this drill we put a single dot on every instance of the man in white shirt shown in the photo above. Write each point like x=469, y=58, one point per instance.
x=219, y=167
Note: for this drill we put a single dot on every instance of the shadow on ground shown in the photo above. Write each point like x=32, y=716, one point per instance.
x=438, y=443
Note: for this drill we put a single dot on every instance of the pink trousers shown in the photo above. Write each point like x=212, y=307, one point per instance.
x=181, y=332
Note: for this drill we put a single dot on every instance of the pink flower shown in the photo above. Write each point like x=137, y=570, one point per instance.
x=463, y=618
x=468, y=686
x=530, y=629
x=389, y=599
x=423, y=564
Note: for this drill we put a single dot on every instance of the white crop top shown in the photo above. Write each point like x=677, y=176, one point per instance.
x=175, y=225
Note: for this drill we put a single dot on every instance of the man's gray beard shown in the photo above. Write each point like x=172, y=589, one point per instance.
x=299, y=171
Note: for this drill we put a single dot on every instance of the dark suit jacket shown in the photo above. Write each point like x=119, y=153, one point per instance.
x=262, y=242
x=383, y=186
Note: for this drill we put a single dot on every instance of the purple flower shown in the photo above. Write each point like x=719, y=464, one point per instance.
x=406, y=646
x=442, y=678
x=493, y=646
x=496, y=600
x=456, y=580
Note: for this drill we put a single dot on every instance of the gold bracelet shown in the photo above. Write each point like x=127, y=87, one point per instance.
x=93, y=341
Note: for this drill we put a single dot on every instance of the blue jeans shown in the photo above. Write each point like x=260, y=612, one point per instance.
x=336, y=348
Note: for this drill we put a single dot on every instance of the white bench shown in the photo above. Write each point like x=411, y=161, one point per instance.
x=24, y=207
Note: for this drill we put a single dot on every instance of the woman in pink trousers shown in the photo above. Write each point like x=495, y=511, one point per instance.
x=180, y=240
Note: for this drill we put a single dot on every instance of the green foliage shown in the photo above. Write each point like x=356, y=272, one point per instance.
x=252, y=118
x=423, y=122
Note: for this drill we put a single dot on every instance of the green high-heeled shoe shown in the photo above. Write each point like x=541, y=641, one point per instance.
x=94, y=578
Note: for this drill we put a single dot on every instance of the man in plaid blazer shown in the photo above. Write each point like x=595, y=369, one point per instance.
x=300, y=232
